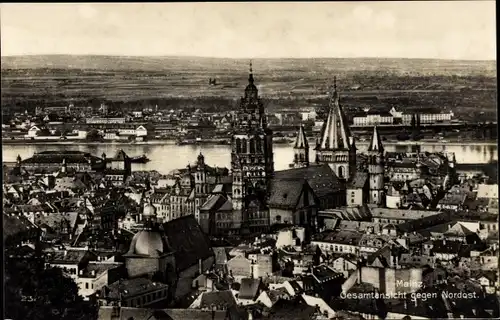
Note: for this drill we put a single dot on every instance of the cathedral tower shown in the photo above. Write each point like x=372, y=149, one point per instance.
x=252, y=162
x=301, y=150
x=376, y=169
x=336, y=147
x=200, y=178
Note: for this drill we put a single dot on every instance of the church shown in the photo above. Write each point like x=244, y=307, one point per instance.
x=339, y=177
x=295, y=196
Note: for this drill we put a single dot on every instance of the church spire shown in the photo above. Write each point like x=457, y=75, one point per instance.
x=376, y=142
x=301, y=139
x=335, y=94
x=335, y=134
x=250, y=76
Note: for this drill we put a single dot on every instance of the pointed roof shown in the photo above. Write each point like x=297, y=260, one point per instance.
x=335, y=133
x=301, y=139
x=376, y=142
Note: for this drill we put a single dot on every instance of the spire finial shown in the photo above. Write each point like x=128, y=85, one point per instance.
x=250, y=76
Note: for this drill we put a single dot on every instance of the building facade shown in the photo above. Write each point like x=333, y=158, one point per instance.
x=252, y=162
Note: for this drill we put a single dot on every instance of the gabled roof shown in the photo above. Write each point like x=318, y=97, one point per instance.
x=214, y=202
x=285, y=193
x=320, y=178
x=249, y=288
x=54, y=219
x=218, y=299
x=359, y=180
x=188, y=241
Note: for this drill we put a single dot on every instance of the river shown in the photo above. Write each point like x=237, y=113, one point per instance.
x=167, y=157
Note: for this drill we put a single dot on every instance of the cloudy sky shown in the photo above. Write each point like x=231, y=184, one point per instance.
x=447, y=30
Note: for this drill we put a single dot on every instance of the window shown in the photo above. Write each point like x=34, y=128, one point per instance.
x=278, y=218
x=238, y=145
x=86, y=285
x=341, y=172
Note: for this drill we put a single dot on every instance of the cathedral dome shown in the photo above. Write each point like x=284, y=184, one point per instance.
x=148, y=243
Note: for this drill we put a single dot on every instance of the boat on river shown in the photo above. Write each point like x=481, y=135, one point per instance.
x=140, y=159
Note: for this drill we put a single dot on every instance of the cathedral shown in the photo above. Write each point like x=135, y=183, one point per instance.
x=339, y=177
x=252, y=163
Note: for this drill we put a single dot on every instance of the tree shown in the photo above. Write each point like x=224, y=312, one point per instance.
x=32, y=292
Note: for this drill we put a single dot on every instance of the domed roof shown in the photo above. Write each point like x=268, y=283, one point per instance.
x=251, y=90
x=149, y=210
x=148, y=243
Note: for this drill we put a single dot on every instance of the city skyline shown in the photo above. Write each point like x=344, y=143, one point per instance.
x=254, y=30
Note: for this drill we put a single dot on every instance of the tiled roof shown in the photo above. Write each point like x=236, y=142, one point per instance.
x=359, y=180
x=291, y=310
x=66, y=257
x=123, y=289
x=284, y=193
x=106, y=313
x=249, y=288
x=188, y=241
x=58, y=156
x=214, y=202
x=324, y=273
x=385, y=213
x=220, y=298
x=453, y=199
x=320, y=178
x=55, y=219
x=15, y=225
x=340, y=237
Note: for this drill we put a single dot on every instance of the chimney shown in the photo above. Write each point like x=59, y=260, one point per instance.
x=80, y=272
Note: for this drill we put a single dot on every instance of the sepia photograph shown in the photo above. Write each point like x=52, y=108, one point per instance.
x=250, y=160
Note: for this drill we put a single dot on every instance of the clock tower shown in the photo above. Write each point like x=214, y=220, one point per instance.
x=252, y=162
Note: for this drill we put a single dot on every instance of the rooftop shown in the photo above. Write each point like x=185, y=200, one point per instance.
x=401, y=214
x=123, y=289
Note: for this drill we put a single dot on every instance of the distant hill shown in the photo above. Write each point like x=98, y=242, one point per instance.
x=318, y=65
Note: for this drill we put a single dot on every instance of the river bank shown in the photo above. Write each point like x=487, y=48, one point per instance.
x=173, y=142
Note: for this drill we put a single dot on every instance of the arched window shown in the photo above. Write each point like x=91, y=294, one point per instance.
x=244, y=146
x=258, y=144
x=301, y=157
x=238, y=145
x=341, y=172
x=296, y=157
x=252, y=145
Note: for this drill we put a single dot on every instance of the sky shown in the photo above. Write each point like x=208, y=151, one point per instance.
x=463, y=30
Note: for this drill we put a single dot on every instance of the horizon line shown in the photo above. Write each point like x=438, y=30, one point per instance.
x=233, y=58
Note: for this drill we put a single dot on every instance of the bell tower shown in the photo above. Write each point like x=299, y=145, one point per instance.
x=376, y=168
x=252, y=162
x=300, y=150
x=336, y=147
